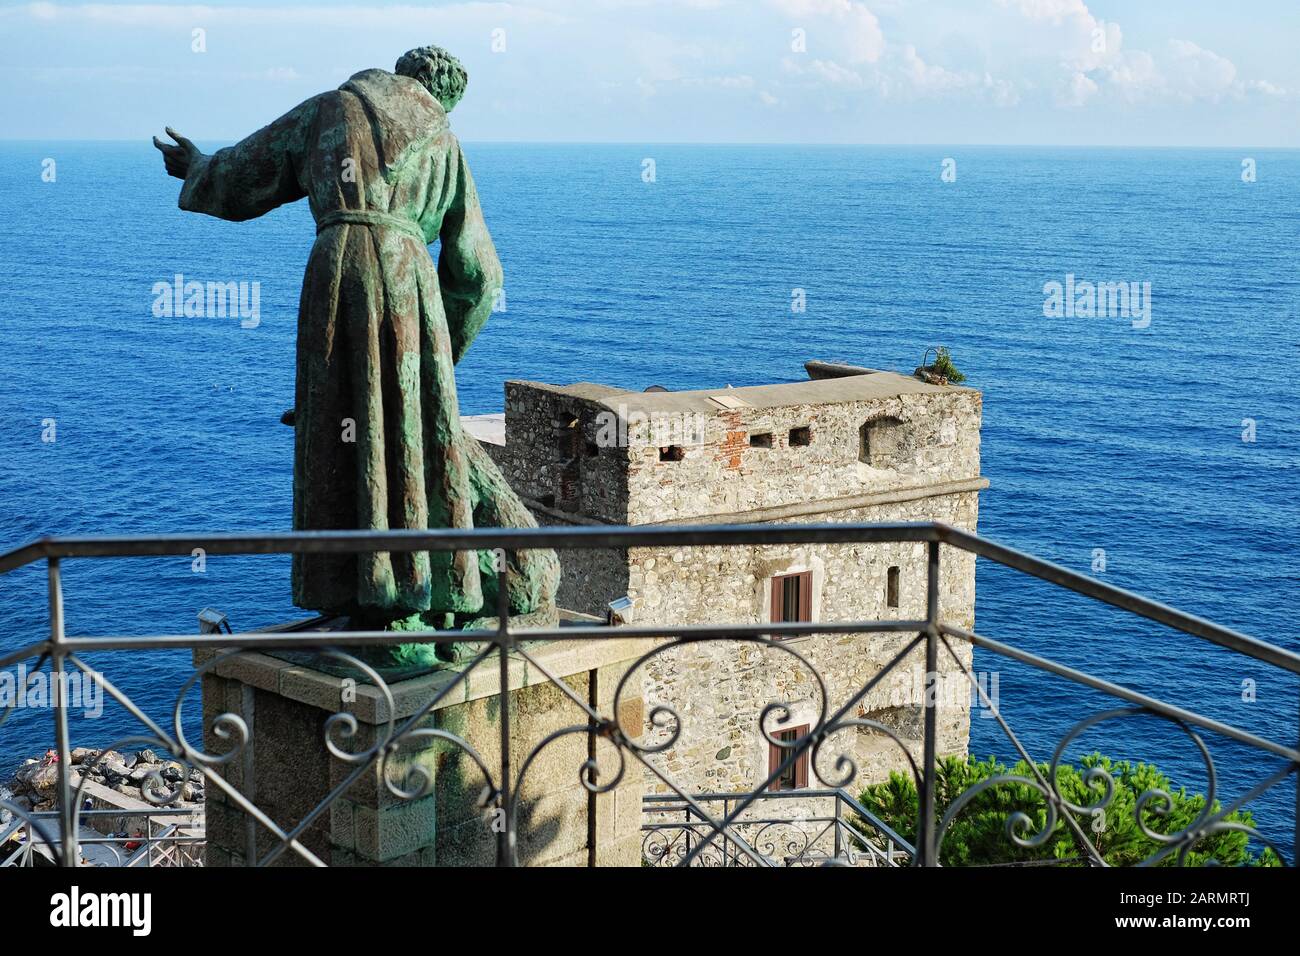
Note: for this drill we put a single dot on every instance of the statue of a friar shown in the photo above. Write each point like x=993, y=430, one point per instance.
x=379, y=442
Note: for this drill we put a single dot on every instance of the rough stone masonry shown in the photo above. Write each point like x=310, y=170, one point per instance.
x=868, y=447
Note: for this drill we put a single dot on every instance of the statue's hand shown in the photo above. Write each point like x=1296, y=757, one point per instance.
x=177, y=158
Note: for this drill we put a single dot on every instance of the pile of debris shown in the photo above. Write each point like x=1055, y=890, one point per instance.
x=142, y=775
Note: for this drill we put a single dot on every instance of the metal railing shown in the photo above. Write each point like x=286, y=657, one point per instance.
x=930, y=635
x=170, y=838
x=805, y=827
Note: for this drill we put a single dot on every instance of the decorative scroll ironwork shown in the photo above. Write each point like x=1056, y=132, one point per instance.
x=759, y=827
x=784, y=828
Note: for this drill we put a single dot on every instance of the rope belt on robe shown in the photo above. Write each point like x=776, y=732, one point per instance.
x=368, y=217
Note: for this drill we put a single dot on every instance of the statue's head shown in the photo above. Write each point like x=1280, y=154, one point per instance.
x=437, y=71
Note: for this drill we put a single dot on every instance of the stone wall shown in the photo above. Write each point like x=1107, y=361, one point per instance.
x=560, y=822
x=938, y=441
x=720, y=688
x=555, y=454
x=877, y=448
x=676, y=458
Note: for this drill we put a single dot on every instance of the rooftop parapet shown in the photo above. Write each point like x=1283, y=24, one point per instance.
x=633, y=457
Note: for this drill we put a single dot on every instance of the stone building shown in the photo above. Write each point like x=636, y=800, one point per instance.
x=866, y=446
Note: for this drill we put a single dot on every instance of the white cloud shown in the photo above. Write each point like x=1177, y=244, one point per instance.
x=1057, y=11
x=902, y=74
x=1079, y=89
x=1195, y=73
x=1264, y=87
x=1135, y=76
x=846, y=29
x=355, y=16
x=1093, y=63
x=741, y=82
x=1002, y=92
x=1068, y=31
x=925, y=77
x=832, y=73
x=611, y=67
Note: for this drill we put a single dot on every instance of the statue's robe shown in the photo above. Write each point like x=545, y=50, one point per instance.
x=379, y=443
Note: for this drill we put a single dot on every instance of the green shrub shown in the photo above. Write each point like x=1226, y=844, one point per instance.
x=977, y=836
x=943, y=366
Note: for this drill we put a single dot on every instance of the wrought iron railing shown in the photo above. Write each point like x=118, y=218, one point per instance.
x=806, y=827
x=930, y=635
x=169, y=838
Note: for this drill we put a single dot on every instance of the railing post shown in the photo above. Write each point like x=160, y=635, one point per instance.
x=839, y=811
x=67, y=816
x=925, y=835
x=728, y=853
x=506, y=840
x=248, y=700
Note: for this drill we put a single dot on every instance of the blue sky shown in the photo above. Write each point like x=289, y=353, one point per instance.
x=1070, y=72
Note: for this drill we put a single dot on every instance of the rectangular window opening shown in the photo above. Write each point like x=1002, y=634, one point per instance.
x=795, y=776
x=672, y=453
x=800, y=437
x=891, y=587
x=792, y=598
x=762, y=440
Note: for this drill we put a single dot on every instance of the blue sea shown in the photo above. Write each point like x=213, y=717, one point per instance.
x=1098, y=436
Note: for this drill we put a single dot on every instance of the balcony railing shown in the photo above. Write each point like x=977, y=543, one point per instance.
x=168, y=839
x=807, y=827
x=715, y=827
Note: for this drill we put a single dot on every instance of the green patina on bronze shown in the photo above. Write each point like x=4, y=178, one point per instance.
x=379, y=443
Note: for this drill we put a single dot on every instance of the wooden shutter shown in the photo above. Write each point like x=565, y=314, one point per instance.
x=775, y=755
x=802, y=610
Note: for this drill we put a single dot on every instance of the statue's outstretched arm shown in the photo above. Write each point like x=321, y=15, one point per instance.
x=248, y=179
x=469, y=271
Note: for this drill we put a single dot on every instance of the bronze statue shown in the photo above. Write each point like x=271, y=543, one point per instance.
x=378, y=438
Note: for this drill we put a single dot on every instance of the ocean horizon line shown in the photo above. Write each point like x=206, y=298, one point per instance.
x=710, y=143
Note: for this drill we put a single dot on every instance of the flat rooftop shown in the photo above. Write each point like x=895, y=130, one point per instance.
x=851, y=384
x=486, y=428
x=828, y=391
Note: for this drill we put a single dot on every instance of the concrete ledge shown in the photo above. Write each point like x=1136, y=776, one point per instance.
x=563, y=658
x=794, y=510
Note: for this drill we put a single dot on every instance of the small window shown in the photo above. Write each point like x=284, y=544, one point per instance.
x=800, y=437
x=592, y=449
x=568, y=492
x=792, y=598
x=762, y=440
x=568, y=440
x=672, y=453
x=891, y=587
x=795, y=776
x=880, y=441
x=547, y=501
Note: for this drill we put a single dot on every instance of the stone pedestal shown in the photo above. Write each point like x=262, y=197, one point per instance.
x=287, y=769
